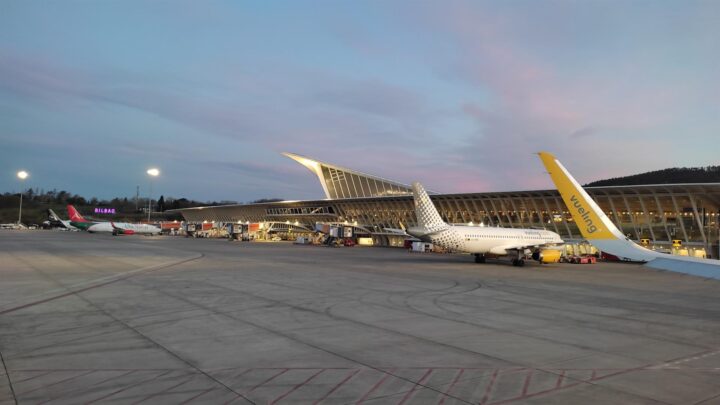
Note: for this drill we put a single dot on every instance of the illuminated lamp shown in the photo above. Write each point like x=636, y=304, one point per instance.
x=22, y=175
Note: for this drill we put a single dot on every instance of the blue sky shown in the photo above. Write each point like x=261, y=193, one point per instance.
x=455, y=94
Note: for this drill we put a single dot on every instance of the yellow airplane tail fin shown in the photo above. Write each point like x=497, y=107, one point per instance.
x=590, y=219
x=597, y=228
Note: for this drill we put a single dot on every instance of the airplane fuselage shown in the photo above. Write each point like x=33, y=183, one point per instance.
x=83, y=226
x=123, y=227
x=486, y=240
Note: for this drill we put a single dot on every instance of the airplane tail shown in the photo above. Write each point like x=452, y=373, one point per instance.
x=427, y=215
x=75, y=215
x=592, y=222
x=53, y=216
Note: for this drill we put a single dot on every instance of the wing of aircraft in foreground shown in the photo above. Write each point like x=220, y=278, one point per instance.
x=516, y=243
x=599, y=230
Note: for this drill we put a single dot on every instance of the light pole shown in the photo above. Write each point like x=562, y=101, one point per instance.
x=22, y=175
x=153, y=173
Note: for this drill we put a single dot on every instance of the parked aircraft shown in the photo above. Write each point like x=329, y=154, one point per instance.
x=56, y=221
x=482, y=242
x=599, y=230
x=116, y=228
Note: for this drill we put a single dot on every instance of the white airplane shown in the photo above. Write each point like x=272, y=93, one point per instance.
x=116, y=228
x=599, y=230
x=482, y=242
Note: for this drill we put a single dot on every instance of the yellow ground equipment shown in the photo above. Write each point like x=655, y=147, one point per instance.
x=550, y=255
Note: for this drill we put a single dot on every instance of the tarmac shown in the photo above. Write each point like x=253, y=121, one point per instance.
x=171, y=320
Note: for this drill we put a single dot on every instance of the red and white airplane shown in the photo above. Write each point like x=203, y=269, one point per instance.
x=115, y=228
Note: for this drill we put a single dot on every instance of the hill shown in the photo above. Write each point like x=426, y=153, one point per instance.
x=675, y=175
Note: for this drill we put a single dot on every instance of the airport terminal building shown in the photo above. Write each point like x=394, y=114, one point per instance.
x=656, y=214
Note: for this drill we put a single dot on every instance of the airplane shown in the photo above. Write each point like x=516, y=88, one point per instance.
x=116, y=228
x=599, y=230
x=55, y=220
x=482, y=242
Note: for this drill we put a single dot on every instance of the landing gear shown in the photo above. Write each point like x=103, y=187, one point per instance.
x=479, y=258
x=518, y=262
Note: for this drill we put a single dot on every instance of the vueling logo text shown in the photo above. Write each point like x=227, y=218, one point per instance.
x=585, y=214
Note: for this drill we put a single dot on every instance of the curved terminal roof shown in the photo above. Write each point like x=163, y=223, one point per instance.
x=340, y=182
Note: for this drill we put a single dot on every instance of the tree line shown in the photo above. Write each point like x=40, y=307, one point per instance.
x=675, y=175
x=36, y=202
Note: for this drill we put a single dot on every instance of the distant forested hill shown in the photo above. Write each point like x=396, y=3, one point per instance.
x=710, y=174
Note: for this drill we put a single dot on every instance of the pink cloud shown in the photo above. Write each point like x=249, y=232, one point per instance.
x=603, y=122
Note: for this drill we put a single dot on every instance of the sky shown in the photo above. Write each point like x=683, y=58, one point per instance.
x=458, y=95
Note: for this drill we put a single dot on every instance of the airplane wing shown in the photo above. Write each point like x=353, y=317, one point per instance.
x=399, y=232
x=599, y=230
x=698, y=267
x=504, y=249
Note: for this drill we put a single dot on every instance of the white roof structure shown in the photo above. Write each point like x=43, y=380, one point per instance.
x=339, y=182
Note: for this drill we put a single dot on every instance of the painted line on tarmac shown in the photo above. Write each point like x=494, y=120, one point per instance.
x=296, y=387
x=337, y=386
x=101, y=282
x=675, y=362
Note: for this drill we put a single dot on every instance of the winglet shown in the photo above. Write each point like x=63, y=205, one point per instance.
x=590, y=219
